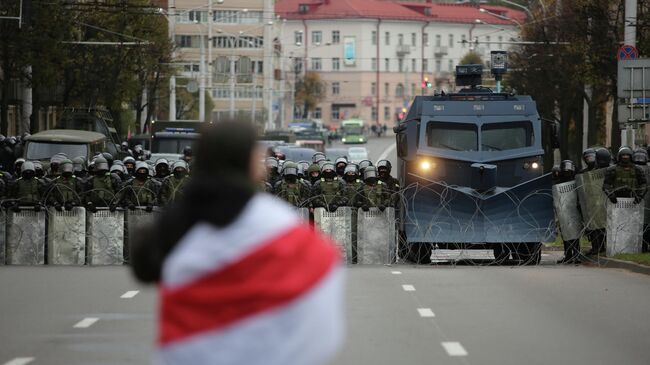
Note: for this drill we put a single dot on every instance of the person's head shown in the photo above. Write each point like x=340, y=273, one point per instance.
x=129, y=163
x=318, y=156
x=555, y=172
x=179, y=169
x=141, y=170
x=370, y=175
x=125, y=146
x=567, y=169
x=27, y=171
x=363, y=164
x=603, y=157
x=340, y=164
x=54, y=164
x=624, y=156
x=314, y=172
x=272, y=165
x=101, y=165
x=162, y=167
x=108, y=157
x=38, y=169
x=290, y=172
x=18, y=163
x=118, y=170
x=351, y=173
x=79, y=165
x=384, y=168
x=187, y=152
x=67, y=169
x=640, y=157
x=328, y=171
x=589, y=157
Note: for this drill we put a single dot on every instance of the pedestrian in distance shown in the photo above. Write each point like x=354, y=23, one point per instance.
x=242, y=279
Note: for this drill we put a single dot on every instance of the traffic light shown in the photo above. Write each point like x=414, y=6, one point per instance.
x=426, y=84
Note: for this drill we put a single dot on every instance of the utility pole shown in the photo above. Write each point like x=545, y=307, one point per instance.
x=210, y=59
x=171, y=8
x=202, y=81
x=232, y=87
x=268, y=16
x=627, y=134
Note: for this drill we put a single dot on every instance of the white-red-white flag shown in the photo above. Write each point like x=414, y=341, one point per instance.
x=267, y=289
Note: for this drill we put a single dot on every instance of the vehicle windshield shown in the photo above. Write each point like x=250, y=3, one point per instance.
x=45, y=150
x=452, y=136
x=171, y=145
x=506, y=136
x=352, y=130
x=84, y=123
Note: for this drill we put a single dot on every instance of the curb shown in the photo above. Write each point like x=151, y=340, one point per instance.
x=609, y=263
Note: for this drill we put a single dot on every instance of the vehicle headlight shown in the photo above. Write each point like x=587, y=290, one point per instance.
x=426, y=165
x=534, y=165
x=342, y=139
x=361, y=139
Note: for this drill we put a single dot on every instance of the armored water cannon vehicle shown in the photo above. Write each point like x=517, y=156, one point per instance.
x=472, y=167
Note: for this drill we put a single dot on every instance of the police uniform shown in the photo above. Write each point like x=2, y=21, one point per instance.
x=174, y=184
x=100, y=189
x=373, y=193
x=329, y=191
x=142, y=190
x=66, y=190
x=27, y=190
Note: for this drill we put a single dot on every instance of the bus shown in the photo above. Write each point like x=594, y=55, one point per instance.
x=353, y=131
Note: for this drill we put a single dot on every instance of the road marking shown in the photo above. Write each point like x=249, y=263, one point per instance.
x=20, y=361
x=396, y=272
x=408, y=287
x=130, y=294
x=86, y=322
x=386, y=152
x=454, y=348
x=426, y=312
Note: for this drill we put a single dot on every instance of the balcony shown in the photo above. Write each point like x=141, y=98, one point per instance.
x=439, y=51
x=402, y=50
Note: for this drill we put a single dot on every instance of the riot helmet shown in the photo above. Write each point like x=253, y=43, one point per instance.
x=272, y=165
x=38, y=168
x=555, y=172
x=640, y=157
x=129, y=163
x=290, y=172
x=118, y=170
x=363, y=164
x=108, y=157
x=27, y=170
x=589, y=157
x=67, y=169
x=370, y=175
x=603, y=157
x=101, y=165
x=567, y=169
x=180, y=169
x=318, y=156
x=328, y=171
x=302, y=169
x=79, y=164
x=624, y=155
x=55, y=161
x=323, y=162
x=141, y=170
x=351, y=173
x=18, y=163
x=340, y=164
x=162, y=167
x=384, y=168
x=187, y=152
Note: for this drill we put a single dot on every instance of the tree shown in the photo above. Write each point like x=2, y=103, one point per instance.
x=309, y=92
x=471, y=58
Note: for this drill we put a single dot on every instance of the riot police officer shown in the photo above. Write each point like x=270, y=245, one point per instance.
x=162, y=169
x=329, y=191
x=589, y=159
x=363, y=164
x=313, y=173
x=65, y=191
x=317, y=157
x=79, y=165
x=603, y=157
x=54, y=172
x=17, y=165
x=129, y=164
x=187, y=155
x=373, y=193
x=174, y=184
x=272, y=170
x=102, y=187
x=640, y=158
x=567, y=172
x=27, y=190
x=120, y=172
x=384, y=168
x=352, y=182
x=340, y=164
x=142, y=190
x=290, y=188
x=625, y=179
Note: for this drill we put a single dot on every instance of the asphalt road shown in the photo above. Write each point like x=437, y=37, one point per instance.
x=411, y=315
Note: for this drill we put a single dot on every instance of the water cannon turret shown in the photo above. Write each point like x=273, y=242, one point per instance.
x=469, y=75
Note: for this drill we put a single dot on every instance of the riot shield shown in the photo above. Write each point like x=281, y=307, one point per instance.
x=646, y=198
x=624, y=227
x=565, y=203
x=592, y=198
x=25, y=237
x=338, y=226
x=135, y=220
x=66, y=237
x=105, y=237
x=303, y=213
x=3, y=235
x=376, y=238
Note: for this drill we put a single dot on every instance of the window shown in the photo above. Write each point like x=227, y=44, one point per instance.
x=400, y=65
x=425, y=39
x=336, y=37
x=506, y=136
x=226, y=16
x=250, y=17
x=452, y=136
x=258, y=66
x=317, y=114
x=438, y=40
x=297, y=37
x=413, y=65
x=386, y=88
x=336, y=88
x=414, y=39
x=463, y=39
x=386, y=64
x=399, y=90
x=400, y=39
x=373, y=88
x=335, y=112
x=387, y=38
x=303, y=8
x=487, y=42
x=451, y=41
x=373, y=113
x=373, y=64
x=374, y=37
x=297, y=65
x=184, y=41
x=194, y=67
x=425, y=65
x=316, y=64
x=500, y=42
x=336, y=64
x=451, y=65
x=386, y=112
x=438, y=66
x=316, y=37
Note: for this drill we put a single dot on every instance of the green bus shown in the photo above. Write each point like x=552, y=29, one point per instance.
x=353, y=131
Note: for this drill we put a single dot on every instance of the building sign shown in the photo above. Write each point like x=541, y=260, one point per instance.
x=349, y=51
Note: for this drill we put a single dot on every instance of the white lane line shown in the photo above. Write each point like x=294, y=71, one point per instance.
x=396, y=272
x=19, y=361
x=408, y=287
x=86, y=322
x=426, y=312
x=454, y=348
x=130, y=294
x=386, y=152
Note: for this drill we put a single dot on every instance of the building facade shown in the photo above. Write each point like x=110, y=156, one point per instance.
x=374, y=55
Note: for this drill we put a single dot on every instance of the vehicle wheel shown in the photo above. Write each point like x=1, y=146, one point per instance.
x=420, y=253
x=529, y=253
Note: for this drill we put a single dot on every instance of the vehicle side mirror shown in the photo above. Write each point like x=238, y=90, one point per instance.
x=406, y=138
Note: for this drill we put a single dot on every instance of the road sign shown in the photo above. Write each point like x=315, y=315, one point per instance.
x=628, y=52
x=192, y=86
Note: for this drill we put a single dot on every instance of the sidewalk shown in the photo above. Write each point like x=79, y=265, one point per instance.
x=610, y=263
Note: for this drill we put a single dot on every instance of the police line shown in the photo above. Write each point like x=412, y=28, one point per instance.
x=81, y=237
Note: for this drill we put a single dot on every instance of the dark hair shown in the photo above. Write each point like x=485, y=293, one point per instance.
x=219, y=190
